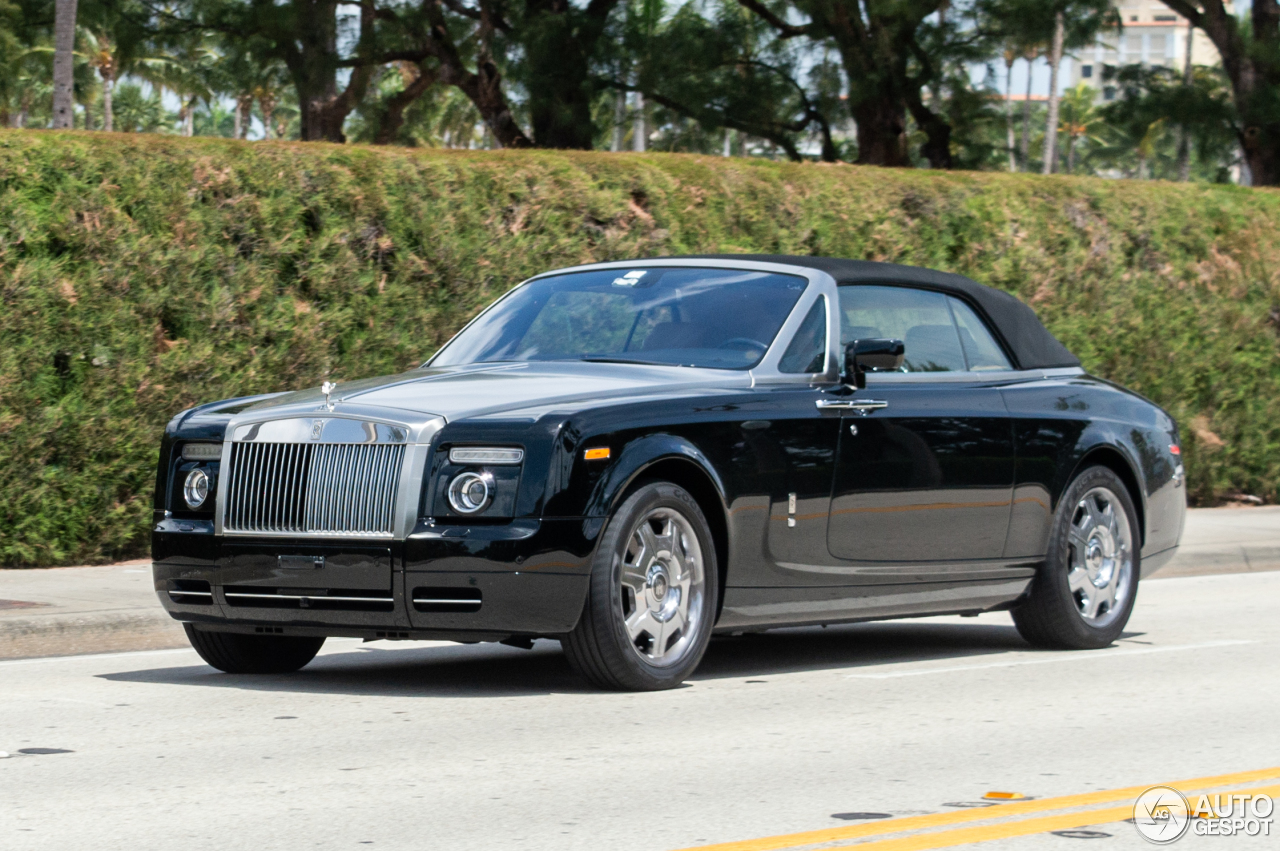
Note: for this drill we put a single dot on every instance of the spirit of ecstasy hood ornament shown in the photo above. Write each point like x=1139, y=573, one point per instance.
x=326, y=389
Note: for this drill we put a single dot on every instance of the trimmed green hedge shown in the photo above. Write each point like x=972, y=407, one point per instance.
x=140, y=275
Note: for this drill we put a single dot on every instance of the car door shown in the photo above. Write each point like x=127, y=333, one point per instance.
x=925, y=464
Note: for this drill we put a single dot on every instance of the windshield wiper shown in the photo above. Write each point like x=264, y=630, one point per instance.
x=594, y=359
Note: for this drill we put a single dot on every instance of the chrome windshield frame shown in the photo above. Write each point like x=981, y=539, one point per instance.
x=766, y=370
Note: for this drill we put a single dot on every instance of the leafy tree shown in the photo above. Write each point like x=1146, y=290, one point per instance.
x=721, y=67
x=1152, y=100
x=136, y=111
x=303, y=35
x=1055, y=26
x=885, y=67
x=1250, y=53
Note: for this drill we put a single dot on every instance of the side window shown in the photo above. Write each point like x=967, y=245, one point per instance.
x=920, y=318
x=808, y=350
x=980, y=348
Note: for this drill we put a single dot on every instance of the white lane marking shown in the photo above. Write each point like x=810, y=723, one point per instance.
x=1074, y=656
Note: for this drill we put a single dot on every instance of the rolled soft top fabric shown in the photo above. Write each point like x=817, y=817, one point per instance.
x=1024, y=335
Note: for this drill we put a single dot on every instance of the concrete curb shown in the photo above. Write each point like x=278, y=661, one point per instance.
x=96, y=632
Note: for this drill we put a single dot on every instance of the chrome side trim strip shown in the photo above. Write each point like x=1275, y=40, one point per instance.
x=231, y=594
x=850, y=405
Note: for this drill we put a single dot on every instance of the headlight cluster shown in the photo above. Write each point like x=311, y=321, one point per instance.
x=195, y=490
x=479, y=480
x=198, y=470
x=471, y=492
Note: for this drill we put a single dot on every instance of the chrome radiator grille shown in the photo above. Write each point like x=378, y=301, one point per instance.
x=313, y=489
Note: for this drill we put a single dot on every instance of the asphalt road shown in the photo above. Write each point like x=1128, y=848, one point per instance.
x=421, y=746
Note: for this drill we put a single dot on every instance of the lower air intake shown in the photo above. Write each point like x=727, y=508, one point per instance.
x=329, y=599
x=454, y=601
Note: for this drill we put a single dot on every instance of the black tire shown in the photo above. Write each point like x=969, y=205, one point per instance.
x=600, y=647
x=1051, y=617
x=237, y=653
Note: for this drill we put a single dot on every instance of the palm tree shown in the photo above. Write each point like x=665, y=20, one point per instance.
x=100, y=52
x=1147, y=146
x=1010, y=56
x=64, y=45
x=186, y=73
x=1079, y=120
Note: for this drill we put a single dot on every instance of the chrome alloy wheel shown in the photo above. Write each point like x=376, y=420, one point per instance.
x=663, y=581
x=1100, y=562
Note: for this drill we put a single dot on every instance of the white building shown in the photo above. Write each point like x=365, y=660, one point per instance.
x=1152, y=35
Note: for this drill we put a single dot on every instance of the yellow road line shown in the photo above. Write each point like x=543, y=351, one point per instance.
x=900, y=825
x=1008, y=830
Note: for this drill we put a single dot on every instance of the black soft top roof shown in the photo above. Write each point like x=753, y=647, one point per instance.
x=1030, y=343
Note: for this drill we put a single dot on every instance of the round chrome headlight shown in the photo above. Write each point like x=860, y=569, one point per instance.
x=470, y=492
x=195, y=490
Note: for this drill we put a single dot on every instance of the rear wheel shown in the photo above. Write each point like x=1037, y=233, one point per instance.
x=651, y=603
x=237, y=653
x=1083, y=595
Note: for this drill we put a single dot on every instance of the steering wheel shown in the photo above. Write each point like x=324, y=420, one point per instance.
x=742, y=343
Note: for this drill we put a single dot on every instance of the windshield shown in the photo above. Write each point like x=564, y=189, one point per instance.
x=717, y=318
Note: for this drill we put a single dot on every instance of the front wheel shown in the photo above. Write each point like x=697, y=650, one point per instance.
x=237, y=653
x=651, y=602
x=1083, y=595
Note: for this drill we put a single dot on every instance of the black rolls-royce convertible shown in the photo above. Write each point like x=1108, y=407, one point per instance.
x=630, y=457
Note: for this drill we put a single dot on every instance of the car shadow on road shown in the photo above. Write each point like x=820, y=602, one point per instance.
x=492, y=670
x=398, y=669
x=854, y=647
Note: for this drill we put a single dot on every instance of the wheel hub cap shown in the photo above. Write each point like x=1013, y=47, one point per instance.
x=1100, y=557
x=662, y=583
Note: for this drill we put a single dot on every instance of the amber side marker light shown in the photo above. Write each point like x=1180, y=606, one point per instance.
x=596, y=454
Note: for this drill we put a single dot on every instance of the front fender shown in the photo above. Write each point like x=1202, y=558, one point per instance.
x=638, y=456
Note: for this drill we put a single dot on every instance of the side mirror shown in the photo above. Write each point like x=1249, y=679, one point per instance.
x=878, y=355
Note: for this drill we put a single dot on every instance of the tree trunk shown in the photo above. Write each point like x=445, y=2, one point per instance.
x=937, y=145
x=560, y=93
x=559, y=40
x=108, y=116
x=1252, y=64
x=1051, y=125
x=188, y=114
x=1024, y=145
x=1071, y=154
x=882, y=132
x=728, y=143
x=64, y=45
x=1184, y=138
x=392, y=117
x=1009, y=59
x=638, y=131
x=619, y=121
x=484, y=89
x=267, y=105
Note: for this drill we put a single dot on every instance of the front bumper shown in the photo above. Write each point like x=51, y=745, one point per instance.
x=470, y=583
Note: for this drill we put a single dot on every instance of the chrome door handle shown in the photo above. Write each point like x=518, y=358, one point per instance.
x=862, y=405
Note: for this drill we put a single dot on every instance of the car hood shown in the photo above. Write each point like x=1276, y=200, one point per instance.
x=480, y=389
